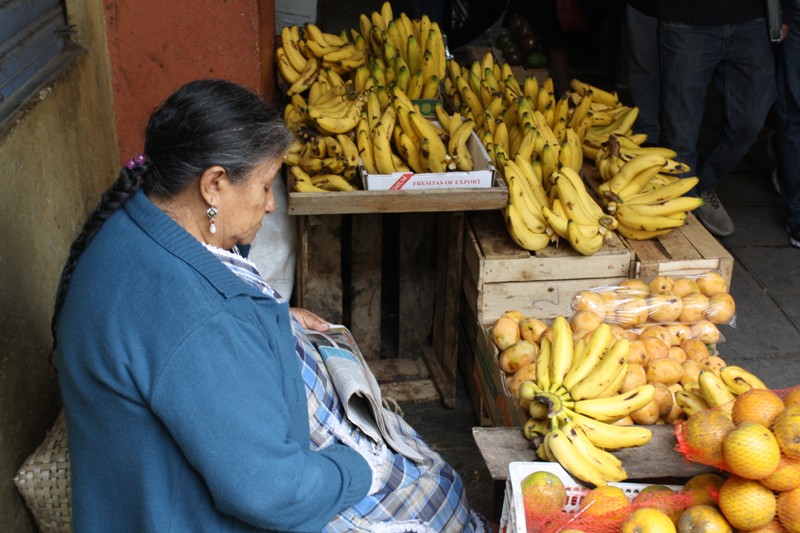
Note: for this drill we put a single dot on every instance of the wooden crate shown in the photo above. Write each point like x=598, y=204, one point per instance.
x=498, y=275
x=686, y=251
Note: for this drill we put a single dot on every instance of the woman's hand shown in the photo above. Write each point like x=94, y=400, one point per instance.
x=309, y=320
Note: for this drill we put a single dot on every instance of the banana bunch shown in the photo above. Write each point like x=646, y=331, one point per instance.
x=643, y=193
x=328, y=163
x=304, y=182
x=398, y=138
x=575, y=215
x=574, y=402
x=408, y=53
x=601, y=116
x=332, y=106
x=713, y=390
x=305, y=51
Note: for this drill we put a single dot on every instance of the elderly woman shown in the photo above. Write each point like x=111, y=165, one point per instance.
x=194, y=400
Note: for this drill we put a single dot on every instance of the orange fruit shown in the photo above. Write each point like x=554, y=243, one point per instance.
x=792, y=397
x=661, y=284
x=773, y=527
x=702, y=486
x=659, y=497
x=703, y=433
x=610, y=502
x=648, y=520
x=751, y=451
x=786, y=477
x=789, y=510
x=787, y=430
x=746, y=504
x=757, y=405
x=542, y=493
x=703, y=519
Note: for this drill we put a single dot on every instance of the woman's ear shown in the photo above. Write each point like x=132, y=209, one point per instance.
x=211, y=184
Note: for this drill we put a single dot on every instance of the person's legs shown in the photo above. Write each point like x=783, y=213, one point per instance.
x=643, y=70
x=746, y=80
x=689, y=55
x=788, y=126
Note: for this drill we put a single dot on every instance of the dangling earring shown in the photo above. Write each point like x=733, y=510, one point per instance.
x=212, y=212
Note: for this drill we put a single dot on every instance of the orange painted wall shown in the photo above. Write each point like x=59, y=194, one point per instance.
x=157, y=46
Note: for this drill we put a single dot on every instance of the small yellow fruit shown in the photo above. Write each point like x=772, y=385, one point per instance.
x=683, y=286
x=517, y=355
x=661, y=284
x=694, y=307
x=658, y=331
x=637, y=354
x=663, y=399
x=721, y=308
x=706, y=332
x=587, y=300
x=647, y=415
x=632, y=312
x=703, y=433
x=677, y=354
x=585, y=321
x=695, y=350
x=525, y=373
x=633, y=288
x=648, y=520
x=711, y=283
x=665, y=306
x=664, y=371
x=679, y=332
x=514, y=315
x=786, y=477
x=635, y=378
x=655, y=348
x=751, y=451
x=610, y=502
x=531, y=329
x=746, y=504
x=713, y=363
x=505, y=332
x=691, y=371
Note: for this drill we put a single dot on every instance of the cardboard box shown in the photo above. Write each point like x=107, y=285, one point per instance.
x=481, y=177
x=513, y=514
x=294, y=13
x=498, y=275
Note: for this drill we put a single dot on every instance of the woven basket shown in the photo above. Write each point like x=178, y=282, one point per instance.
x=44, y=481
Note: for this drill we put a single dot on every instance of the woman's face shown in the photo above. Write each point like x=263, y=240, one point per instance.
x=246, y=203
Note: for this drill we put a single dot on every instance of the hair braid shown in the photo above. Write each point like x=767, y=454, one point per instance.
x=123, y=188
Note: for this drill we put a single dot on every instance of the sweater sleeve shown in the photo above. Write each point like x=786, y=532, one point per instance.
x=236, y=409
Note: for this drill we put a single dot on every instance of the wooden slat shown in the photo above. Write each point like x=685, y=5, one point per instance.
x=656, y=459
x=411, y=391
x=322, y=267
x=365, y=277
x=387, y=370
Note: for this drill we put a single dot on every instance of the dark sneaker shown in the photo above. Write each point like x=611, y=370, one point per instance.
x=713, y=215
x=794, y=237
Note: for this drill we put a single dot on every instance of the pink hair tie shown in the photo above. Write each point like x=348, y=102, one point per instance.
x=136, y=161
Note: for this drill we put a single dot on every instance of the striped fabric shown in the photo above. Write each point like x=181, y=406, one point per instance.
x=405, y=497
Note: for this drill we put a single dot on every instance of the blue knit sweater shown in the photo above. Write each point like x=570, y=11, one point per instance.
x=184, y=402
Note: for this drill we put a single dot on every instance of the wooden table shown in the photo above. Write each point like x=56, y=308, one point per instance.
x=342, y=280
x=655, y=462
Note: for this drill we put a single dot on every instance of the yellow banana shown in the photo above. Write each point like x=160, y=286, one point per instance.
x=430, y=88
x=599, y=95
x=638, y=183
x=571, y=198
x=609, y=466
x=632, y=168
x=690, y=402
x=603, y=373
x=386, y=13
x=349, y=149
x=556, y=221
x=520, y=234
x=598, y=342
x=332, y=182
x=626, y=215
x=436, y=149
x=713, y=389
x=581, y=110
x=662, y=194
x=613, y=408
x=365, y=147
x=457, y=146
x=533, y=183
x=433, y=155
x=303, y=186
x=307, y=77
x=616, y=383
x=682, y=204
x=382, y=150
x=638, y=234
x=416, y=85
x=409, y=151
x=585, y=240
x=573, y=461
x=738, y=380
x=339, y=124
x=608, y=436
x=289, y=38
x=442, y=117
x=561, y=350
x=285, y=68
x=543, y=364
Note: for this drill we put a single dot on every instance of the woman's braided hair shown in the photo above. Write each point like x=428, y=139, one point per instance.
x=202, y=124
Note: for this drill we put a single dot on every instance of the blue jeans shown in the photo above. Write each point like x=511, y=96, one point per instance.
x=787, y=109
x=738, y=59
x=643, y=70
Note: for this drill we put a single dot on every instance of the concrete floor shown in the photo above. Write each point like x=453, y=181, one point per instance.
x=765, y=340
